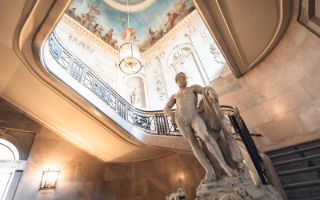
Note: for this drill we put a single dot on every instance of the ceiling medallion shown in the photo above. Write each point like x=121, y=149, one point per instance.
x=139, y=6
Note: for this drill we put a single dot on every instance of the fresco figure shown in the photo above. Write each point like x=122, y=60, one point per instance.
x=153, y=36
x=97, y=30
x=93, y=10
x=85, y=20
x=128, y=35
x=114, y=43
x=171, y=20
x=72, y=13
x=108, y=35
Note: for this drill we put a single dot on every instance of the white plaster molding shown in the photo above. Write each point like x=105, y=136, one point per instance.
x=130, y=8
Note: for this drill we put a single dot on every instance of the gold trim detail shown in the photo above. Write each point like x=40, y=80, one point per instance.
x=92, y=36
x=150, y=50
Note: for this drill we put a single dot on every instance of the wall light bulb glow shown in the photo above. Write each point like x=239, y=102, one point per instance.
x=49, y=179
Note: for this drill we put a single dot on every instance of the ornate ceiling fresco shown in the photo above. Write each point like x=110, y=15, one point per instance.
x=150, y=19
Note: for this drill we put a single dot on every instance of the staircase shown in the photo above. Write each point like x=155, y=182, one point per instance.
x=298, y=167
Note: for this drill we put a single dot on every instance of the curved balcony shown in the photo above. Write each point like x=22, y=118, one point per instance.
x=145, y=126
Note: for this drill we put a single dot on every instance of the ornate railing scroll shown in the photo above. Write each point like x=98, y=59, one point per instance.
x=152, y=122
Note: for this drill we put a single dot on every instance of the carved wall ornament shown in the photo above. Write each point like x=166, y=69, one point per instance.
x=159, y=80
x=217, y=55
x=184, y=58
x=179, y=55
x=205, y=35
x=81, y=44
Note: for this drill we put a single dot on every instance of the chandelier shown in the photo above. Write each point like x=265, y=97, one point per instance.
x=129, y=54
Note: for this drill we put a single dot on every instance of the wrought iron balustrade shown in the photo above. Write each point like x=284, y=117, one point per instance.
x=152, y=122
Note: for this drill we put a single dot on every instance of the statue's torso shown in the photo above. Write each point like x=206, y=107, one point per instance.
x=186, y=101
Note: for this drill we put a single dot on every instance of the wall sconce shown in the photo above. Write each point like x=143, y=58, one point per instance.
x=181, y=177
x=49, y=179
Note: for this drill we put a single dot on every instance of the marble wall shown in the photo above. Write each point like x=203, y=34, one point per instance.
x=280, y=97
x=85, y=177
x=80, y=173
x=152, y=179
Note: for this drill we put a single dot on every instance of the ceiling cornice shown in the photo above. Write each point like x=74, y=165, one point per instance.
x=115, y=52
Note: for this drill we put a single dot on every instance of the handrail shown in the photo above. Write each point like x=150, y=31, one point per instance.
x=240, y=128
x=152, y=122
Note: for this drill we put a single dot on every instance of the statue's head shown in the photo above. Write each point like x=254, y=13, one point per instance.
x=181, y=80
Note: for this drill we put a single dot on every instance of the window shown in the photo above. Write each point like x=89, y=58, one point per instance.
x=8, y=153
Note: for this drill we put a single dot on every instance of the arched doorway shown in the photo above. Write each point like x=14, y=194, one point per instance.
x=8, y=153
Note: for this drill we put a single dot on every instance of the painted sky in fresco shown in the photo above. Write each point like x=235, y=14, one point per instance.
x=102, y=18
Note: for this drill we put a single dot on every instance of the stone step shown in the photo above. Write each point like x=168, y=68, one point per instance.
x=299, y=175
x=293, y=147
x=308, y=190
x=297, y=163
x=306, y=198
x=300, y=153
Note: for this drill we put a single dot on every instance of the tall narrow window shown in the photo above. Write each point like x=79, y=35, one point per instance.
x=8, y=153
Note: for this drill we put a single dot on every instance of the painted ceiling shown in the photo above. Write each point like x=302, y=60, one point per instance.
x=108, y=21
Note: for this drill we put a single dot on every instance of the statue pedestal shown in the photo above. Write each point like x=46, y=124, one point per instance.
x=236, y=188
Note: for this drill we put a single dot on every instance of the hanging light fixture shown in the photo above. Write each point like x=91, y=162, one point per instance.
x=129, y=54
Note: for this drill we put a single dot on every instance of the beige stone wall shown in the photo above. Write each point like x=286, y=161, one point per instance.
x=80, y=174
x=280, y=97
x=152, y=179
x=83, y=176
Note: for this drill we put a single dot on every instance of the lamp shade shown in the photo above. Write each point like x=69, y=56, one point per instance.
x=129, y=57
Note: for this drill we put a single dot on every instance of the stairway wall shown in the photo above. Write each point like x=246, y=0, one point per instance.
x=80, y=173
x=280, y=97
x=82, y=176
x=152, y=179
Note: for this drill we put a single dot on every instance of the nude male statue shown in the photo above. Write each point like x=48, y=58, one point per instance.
x=191, y=125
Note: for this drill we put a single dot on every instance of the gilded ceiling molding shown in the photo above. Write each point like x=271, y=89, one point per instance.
x=149, y=51
x=130, y=8
x=88, y=33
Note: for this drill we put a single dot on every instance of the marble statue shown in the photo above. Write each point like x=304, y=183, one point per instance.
x=212, y=143
x=179, y=195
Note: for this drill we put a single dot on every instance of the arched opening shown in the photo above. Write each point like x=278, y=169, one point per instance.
x=136, y=92
x=8, y=153
x=184, y=59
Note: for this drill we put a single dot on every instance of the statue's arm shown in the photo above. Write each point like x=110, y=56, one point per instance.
x=168, y=106
x=197, y=89
x=209, y=92
x=213, y=94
